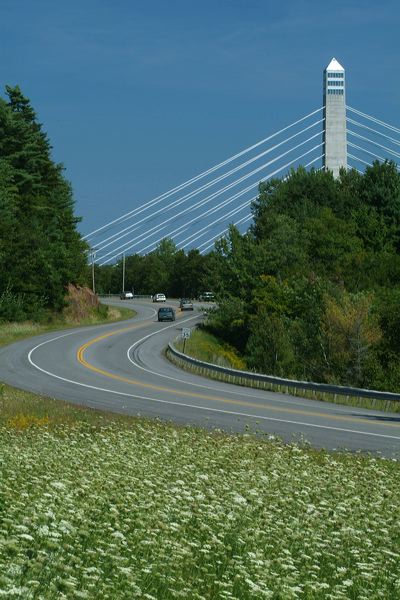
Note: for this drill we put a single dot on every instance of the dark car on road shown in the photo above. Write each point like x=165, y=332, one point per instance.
x=166, y=313
x=185, y=304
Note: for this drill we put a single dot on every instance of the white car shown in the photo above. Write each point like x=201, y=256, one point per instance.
x=159, y=298
x=126, y=296
x=207, y=297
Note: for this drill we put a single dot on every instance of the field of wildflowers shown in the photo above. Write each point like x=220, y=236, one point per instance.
x=112, y=508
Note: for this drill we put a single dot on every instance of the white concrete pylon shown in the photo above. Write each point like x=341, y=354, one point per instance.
x=334, y=132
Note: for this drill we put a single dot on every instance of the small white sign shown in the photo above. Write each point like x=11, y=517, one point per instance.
x=186, y=333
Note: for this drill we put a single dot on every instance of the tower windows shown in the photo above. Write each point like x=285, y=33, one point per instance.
x=335, y=91
x=335, y=75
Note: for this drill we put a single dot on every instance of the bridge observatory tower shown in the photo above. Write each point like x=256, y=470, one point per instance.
x=334, y=132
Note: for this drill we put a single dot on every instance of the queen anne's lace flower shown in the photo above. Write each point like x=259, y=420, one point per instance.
x=151, y=511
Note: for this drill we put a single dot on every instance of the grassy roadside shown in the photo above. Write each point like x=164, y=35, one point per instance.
x=206, y=347
x=21, y=411
x=12, y=332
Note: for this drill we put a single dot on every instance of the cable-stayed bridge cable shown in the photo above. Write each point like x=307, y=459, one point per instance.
x=183, y=243
x=378, y=121
x=128, y=245
x=249, y=217
x=388, y=137
x=201, y=175
x=212, y=196
x=196, y=235
x=367, y=151
x=361, y=137
x=154, y=243
x=351, y=145
x=127, y=230
x=359, y=159
x=221, y=235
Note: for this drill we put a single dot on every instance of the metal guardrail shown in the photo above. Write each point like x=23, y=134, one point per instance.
x=117, y=296
x=288, y=385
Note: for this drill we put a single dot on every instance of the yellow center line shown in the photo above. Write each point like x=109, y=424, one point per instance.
x=297, y=411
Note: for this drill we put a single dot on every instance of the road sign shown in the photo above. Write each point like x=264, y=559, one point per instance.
x=186, y=333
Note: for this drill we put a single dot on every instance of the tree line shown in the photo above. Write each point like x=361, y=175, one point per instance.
x=168, y=270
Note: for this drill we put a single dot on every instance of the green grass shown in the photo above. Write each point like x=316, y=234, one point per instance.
x=206, y=347
x=22, y=410
x=98, y=506
x=12, y=332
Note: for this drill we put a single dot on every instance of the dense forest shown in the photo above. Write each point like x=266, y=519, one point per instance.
x=312, y=290
x=41, y=250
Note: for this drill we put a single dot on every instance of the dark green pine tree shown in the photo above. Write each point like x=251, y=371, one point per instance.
x=8, y=211
x=41, y=250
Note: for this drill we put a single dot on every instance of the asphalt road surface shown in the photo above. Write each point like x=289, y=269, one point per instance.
x=121, y=367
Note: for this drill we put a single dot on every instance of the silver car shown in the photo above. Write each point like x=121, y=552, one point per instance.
x=159, y=298
x=185, y=304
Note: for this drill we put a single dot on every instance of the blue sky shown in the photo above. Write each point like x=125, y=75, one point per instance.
x=137, y=97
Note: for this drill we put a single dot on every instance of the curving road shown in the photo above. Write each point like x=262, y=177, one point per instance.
x=120, y=367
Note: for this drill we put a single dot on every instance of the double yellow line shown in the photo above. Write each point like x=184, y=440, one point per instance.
x=80, y=355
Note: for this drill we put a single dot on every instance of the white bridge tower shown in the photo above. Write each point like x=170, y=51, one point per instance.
x=334, y=133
